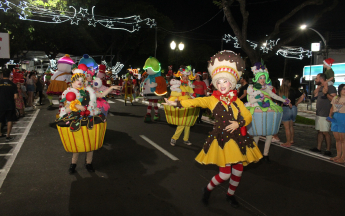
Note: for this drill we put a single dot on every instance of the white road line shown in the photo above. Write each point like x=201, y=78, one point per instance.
x=55, y=102
x=121, y=100
x=304, y=152
x=15, y=152
x=15, y=134
x=27, y=117
x=109, y=101
x=9, y=143
x=4, y=155
x=18, y=127
x=2, y=170
x=172, y=157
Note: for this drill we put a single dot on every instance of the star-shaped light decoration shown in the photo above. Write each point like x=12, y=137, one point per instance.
x=56, y=18
x=109, y=24
x=151, y=22
x=23, y=5
x=74, y=20
x=23, y=15
x=83, y=12
x=227, y=38
x=300, y=56
x=309, y=53
x=136, y=27
x=3, y=7
x=237, y=45
x=92, y=22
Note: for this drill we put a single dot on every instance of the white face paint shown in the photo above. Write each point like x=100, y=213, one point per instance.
x=223, y=85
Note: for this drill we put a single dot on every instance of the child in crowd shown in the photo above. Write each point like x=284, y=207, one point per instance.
x=19, y=100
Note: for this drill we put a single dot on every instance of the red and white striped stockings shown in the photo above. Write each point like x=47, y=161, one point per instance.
x=149, y=108
x=234, y=172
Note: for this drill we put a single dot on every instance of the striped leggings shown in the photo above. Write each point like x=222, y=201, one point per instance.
x=234, y=172
x=149, y=108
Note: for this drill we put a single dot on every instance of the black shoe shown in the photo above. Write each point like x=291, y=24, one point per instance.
x=198, y=121
x=71, y=169
x=9, y=139
x=266, y=159
x=89, y=168
x=327, y=153
x=232, y=200
x=205, y=196
x=315, y=150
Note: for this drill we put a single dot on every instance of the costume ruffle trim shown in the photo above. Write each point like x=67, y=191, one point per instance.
x=230, y=154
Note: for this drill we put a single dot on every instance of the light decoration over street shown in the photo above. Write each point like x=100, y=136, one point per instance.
x=114, y=69
x=285, y=51
x=30, y=12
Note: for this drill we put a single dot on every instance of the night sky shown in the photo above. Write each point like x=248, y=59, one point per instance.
x=262, y=17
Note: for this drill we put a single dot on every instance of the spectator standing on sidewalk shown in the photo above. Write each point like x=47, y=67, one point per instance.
x=39, y=89
x=19, y=100
x=200, y=90
x=8, y=93
x=289, y=111
x=30, y=88
x=337, y=118
x=242, y=91
x=323, y=106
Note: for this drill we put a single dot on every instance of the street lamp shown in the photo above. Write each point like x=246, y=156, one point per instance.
x=323, y=39
x=173, y=45
x=181, y=46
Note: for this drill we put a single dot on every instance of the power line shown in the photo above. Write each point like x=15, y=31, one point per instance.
x=193, y=28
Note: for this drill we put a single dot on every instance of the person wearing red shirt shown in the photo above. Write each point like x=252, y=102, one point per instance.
x=199, y=91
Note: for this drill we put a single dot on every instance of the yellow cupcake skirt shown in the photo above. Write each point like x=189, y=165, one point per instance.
x=230, y=154
x=84, y=140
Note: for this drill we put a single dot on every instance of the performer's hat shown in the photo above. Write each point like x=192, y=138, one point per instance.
x=226, y=64
x=66, y=59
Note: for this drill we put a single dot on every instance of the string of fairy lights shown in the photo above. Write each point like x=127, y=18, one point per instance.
x=285, y=51
x=30, y=12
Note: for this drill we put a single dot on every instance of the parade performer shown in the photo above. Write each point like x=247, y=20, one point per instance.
x=153, y=87
x=128, y=88
x=81, y=124
x=48, y=76
x=60, y=79
x=89, y=62
x=228, y=146
x=267, y=115
x=101, y=74
x=181, y=90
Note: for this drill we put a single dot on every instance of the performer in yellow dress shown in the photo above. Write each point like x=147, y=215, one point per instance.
x=228, y=145
x=184, y=92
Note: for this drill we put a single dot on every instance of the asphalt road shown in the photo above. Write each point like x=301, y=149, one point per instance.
x=134, y=178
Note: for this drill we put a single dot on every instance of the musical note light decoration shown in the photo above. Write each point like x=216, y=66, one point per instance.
x=30, y=12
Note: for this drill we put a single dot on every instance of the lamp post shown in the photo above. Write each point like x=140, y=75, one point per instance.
x=174, y=47
x=323, y=39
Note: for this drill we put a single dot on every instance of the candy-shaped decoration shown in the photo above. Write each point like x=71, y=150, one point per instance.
x=70, y=96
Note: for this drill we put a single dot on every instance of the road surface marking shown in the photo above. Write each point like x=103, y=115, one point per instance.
x=15, y=152
x=9, y=143
x=8, y=154
x=121, y=100
x=16, y=134
x=55, y=102
x=304, y=152
x=18, y=127
x=109, y=101
x=172, y=157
